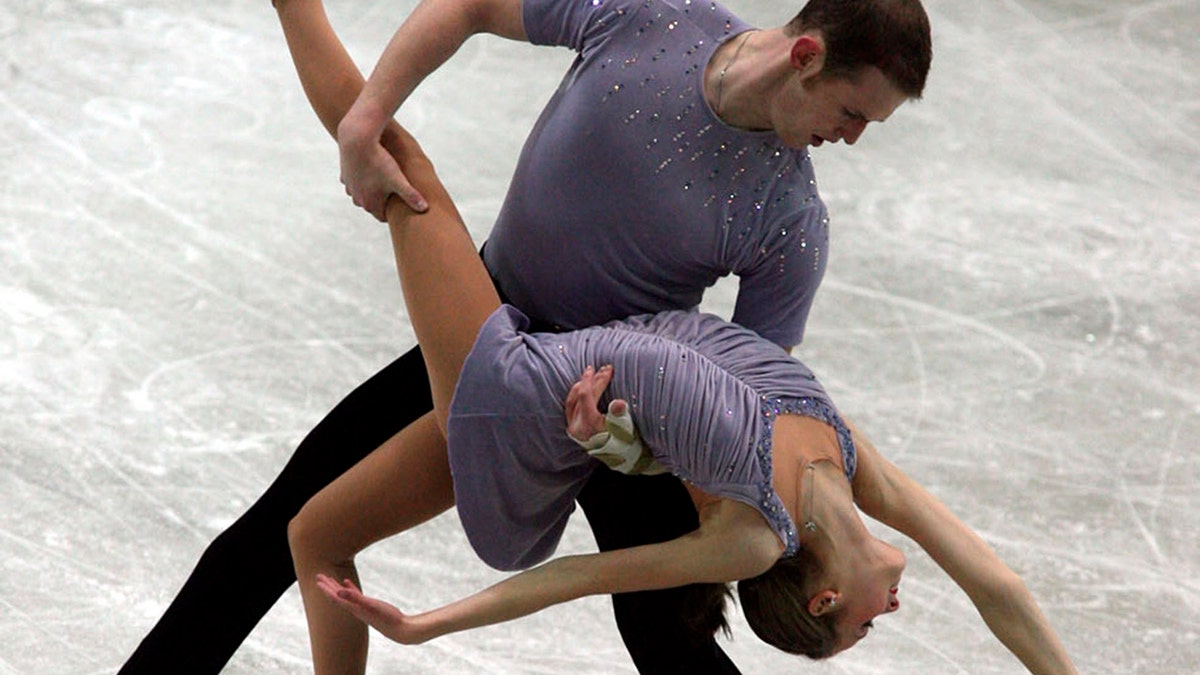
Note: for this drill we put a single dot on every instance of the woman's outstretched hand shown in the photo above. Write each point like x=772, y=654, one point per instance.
x=584, y=418
x=389, y=621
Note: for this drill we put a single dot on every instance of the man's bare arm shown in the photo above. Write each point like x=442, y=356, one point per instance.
x=428, y=38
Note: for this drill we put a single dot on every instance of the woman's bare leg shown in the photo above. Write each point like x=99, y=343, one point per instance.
x=447, y=290
x=407, y=480
x=400, y=485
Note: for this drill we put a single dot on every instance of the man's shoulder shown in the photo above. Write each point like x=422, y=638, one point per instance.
x=643, y=16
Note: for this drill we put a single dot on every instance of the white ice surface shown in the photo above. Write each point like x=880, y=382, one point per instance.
x=1012, y=310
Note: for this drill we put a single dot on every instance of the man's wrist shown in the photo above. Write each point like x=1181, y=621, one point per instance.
x=362, y=125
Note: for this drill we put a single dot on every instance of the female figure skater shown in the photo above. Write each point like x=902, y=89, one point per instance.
x=769, y=463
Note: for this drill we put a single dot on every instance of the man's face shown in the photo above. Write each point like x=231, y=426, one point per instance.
x=814, y=110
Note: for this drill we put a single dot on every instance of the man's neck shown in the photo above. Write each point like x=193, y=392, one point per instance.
x=743, y=76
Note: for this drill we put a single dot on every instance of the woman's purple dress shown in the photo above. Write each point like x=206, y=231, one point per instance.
x=703, y=392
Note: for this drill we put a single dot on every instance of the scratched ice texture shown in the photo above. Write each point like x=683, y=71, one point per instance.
x=1012, y=309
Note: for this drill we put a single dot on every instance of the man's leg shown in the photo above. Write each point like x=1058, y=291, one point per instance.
x=626, y=511
x=206, y=622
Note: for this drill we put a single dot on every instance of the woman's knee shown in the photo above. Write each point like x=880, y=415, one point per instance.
x=312, y=542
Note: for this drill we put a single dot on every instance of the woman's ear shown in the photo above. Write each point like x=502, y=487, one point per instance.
x=808, y=55
x=824, y=602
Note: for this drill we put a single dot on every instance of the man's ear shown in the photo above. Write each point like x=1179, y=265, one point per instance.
x=808, y=55
x=824, y=602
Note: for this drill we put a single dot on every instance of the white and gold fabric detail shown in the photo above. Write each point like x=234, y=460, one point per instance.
x=620, y=446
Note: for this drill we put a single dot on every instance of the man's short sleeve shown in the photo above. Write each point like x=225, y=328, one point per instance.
x=568, y=23
x=776, y=292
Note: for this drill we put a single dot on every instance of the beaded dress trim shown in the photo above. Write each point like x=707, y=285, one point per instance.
x=771, y=408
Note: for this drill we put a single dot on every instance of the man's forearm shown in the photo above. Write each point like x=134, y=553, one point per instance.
x=427, y=39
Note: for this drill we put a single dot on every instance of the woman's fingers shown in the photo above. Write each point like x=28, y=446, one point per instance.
x=339, y=592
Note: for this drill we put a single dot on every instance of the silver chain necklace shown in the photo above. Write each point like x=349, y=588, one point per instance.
x=721, y=76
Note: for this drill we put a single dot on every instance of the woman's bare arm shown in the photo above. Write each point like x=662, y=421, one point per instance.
x=887, y=494
x=733, y=542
